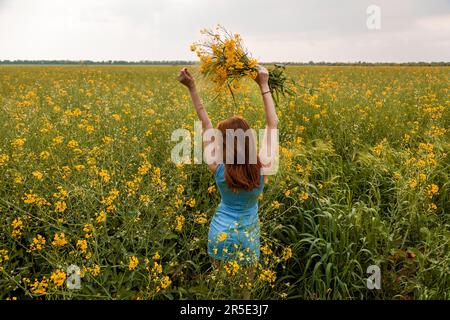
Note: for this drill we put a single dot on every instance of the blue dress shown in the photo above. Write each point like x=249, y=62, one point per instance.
x=234, y=231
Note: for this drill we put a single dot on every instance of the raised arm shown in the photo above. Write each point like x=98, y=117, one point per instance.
x=269, y=107
x=268, y=153
x=188, y=80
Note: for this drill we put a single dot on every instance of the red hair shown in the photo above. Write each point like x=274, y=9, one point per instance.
x=246, y=175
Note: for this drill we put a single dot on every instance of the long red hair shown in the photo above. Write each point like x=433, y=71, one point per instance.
x=247, y=175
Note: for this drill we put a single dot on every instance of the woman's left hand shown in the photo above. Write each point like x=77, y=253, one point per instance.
x=262, y=79
x=186, y=78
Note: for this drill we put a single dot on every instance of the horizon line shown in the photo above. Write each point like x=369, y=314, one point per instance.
x=192, y=62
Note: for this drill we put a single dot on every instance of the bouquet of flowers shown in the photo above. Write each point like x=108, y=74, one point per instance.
x=225, y=61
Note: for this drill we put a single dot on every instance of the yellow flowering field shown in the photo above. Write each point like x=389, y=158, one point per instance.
x=87, y=181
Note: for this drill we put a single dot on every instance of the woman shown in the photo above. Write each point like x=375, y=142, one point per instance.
x=234, y=231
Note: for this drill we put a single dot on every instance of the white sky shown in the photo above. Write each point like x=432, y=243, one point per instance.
x=281, y=30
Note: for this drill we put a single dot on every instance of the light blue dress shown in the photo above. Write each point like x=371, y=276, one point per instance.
x=234, y=231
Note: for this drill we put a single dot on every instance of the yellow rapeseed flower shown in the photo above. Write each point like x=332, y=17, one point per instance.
x=58, y=277
x=39, y=287
x=59, y=240
x=133, y=263
x=179, y=222
x=100, y=216
x=82, y=245
x=304, y=195
x=165, y=282
x=268, y=275
x=232, y=268
x=38, y=243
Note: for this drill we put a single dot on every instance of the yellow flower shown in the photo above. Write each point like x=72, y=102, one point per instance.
x=72, y=144
x=156, y=256
x=107, y=139
x=82, y=245
x=60, y=206
x=180, y=189
x=304, y=196
x=61, y=194
x=268, y=275
x=287, y=253
x=144, y=198
x=133, y=263
x=211, y=189
x=275, y=204
x=29, y=198
x=95, y=270
x=38, y=175
x=109, y=199
x=104, y=175
x=144, y=167
x=200, y=218
x=4, y=158
x=133, y=186
x=265, y=249
x=432, y=189
x=421, y=163
x=165, y=282
x=232, y=268
x=191, y=202
x=428, y=147
x=156, y=269
x=59, y=240
x=179, y=222
x=18, y=179
x=79, y=167
x=178, y=202
x=44, y=155
x=58, y=140
x=17, y=225
x=88, y=229
x=3, y=258
x=39, y=287
x=58, y=277
x=38, y=243
x=100, y=216
x=18, y=142
x=378, y=149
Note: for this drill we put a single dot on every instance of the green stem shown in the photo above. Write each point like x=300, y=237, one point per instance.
x=232, y=94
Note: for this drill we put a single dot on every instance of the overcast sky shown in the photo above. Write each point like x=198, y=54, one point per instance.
x=281, y=30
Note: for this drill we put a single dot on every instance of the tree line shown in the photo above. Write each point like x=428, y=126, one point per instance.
x=105, y=62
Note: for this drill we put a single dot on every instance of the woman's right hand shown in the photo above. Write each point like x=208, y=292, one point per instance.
x=186, y=78
x=262, y=79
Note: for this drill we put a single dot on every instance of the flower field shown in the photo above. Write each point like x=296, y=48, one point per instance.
x=87, y=180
